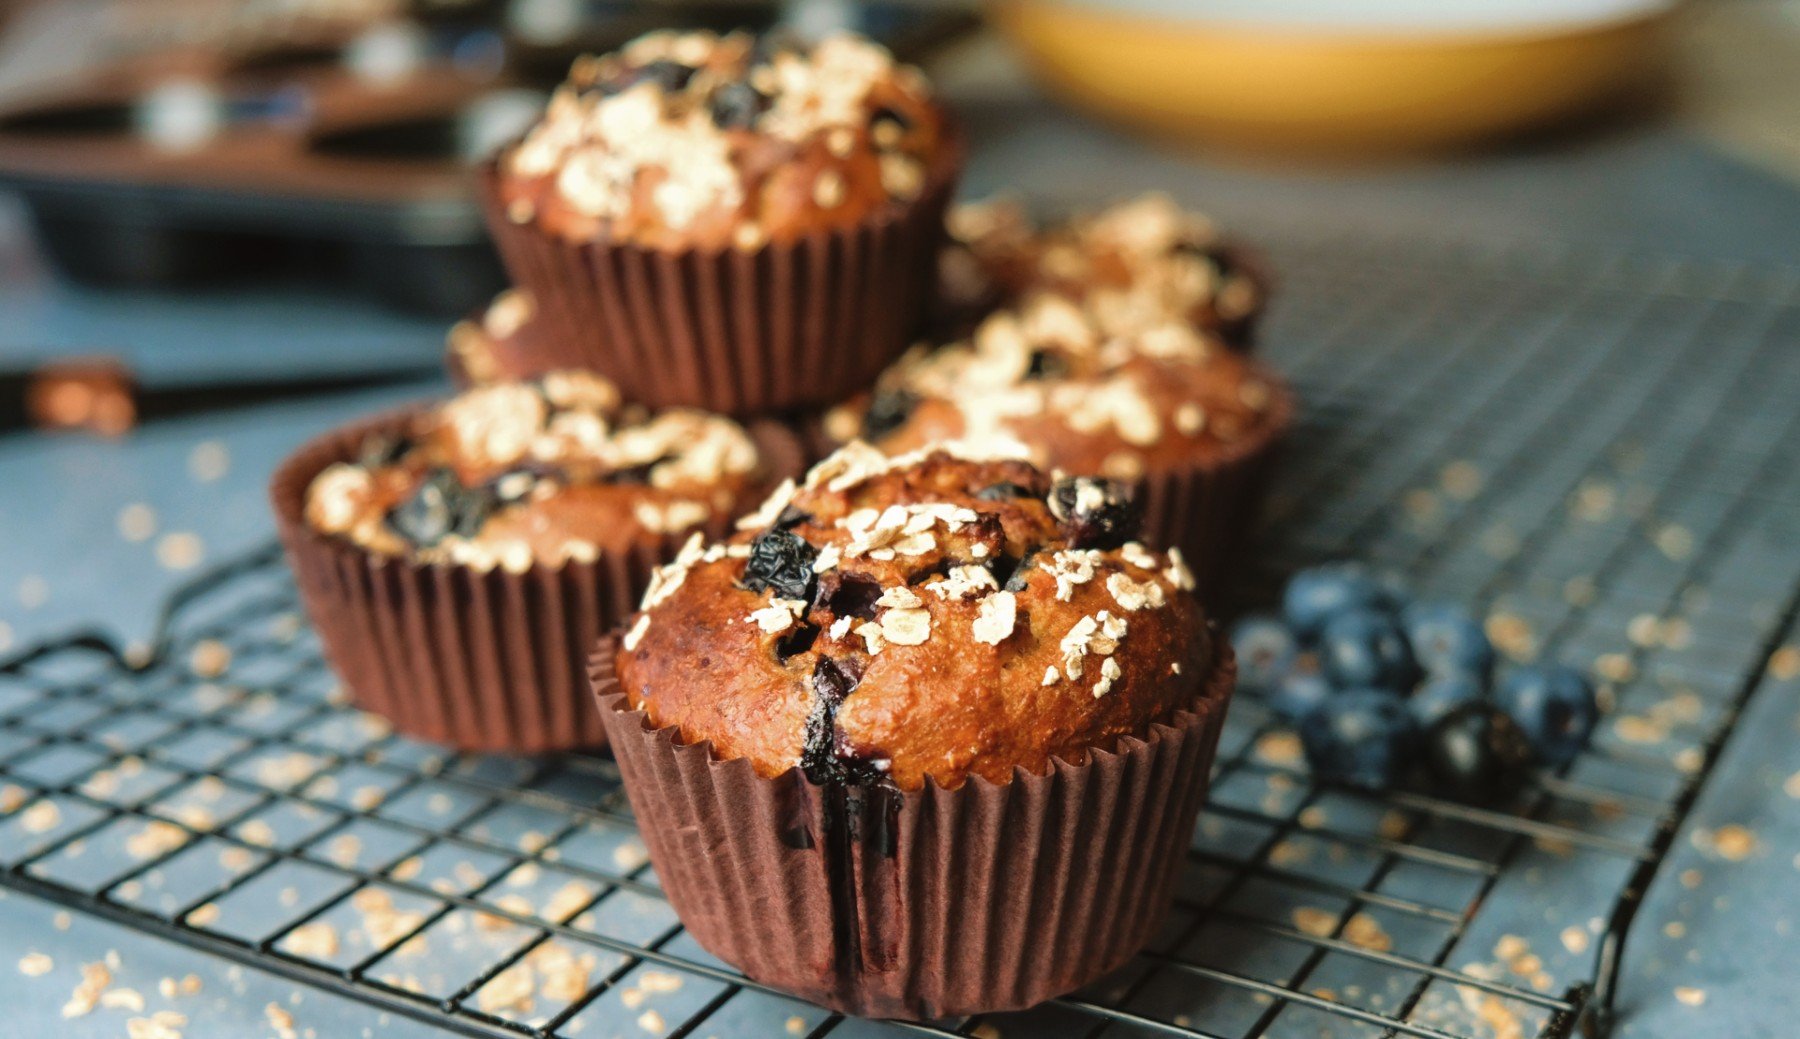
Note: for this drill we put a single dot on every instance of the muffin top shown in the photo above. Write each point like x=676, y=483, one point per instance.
x=1048, y=380
x=544, y=471
x=686, y=140
x=938, y=616
x=499, y=344
x=1133, y=264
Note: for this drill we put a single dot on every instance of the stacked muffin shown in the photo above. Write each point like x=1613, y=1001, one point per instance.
x=927, y=734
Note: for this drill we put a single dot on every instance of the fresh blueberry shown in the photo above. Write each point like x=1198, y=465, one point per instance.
x=1477, y=754
x=736, y=106
x=1300, y=692
x=1441, y=694
x=1363, y=737
x=1367, y=647
x=1448, y=640
x=1315, y=596
x=1554, y=705
x=1265, y=649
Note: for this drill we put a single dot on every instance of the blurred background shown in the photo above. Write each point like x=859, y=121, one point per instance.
x=266, y=196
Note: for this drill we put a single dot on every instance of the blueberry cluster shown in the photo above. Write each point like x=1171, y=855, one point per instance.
x=1382, y=689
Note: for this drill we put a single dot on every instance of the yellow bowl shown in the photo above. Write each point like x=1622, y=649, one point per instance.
x=1339, y=87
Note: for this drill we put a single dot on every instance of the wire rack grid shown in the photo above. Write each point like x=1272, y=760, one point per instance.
x=1599, y=453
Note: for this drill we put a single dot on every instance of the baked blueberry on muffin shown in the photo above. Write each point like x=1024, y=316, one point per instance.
x=1133, y=264
x=909, y=696
x=517, y=474
x=459, y=560
x=1188, y=424
x=761, y=219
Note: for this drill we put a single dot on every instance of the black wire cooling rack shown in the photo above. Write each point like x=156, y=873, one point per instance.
x=1600, y=454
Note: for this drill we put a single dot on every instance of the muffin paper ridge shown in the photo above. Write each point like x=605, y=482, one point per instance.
x=920, y=904
x=480, y=660
x=736, y=331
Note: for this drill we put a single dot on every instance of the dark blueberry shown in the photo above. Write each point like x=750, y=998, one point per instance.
x=884, y=114
x=439, y=507
x=796, y=640
x=636, y=474
x=671, y=76
x=1018, y=576
x=887, y=411
x=848, y=595
x=1300, y=692
x=1046, y=364
x=1095, y=513
x=1448, y=640
x=1314, y=596
x=736, y=106
x=824, y=757
x=1441, y=694
x=383, y=450
x=1555, y=707
x=1367, y=647
x=781, y=561
x=1005, y=490
x=1265, y=650
x=792, y=517
x=1363, y=737
x=1477, y=754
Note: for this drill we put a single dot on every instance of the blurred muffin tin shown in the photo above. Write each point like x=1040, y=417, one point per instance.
x=339, y=152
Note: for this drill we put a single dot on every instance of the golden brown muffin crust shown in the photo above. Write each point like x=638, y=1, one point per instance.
x=519, y=473
x=1134, y=262
x=1046, y=377
x=697, y=140
x=930, y=617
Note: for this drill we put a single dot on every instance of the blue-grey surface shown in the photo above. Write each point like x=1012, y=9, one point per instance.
x=97, y=532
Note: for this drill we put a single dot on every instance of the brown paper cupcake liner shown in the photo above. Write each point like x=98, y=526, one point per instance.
x=1210, y=510
x=729, y=330
x=482, y=661
x=927, y=904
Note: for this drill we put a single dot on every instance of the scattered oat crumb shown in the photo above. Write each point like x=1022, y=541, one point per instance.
x=137, y=522
x=180, y=550
x=164, y=1024
x=652, y=1022
x=94, y=979
x=36, y=965
x=210, y=658
x=1675, y=929
x=280, y=1020
x=1364, y=931
x=123, y=999
x=511, y=989
x=1730, y=842
x=1784, y=663
x=1281, y=747
x=1691, y=996
x=1690, y=878
x=1314, y=921
x=209, y=461
x=205, y=915
x=796, y=1025
x=317, y=940
x=1575, y=939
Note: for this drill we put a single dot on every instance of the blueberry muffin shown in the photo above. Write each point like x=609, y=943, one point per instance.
x=458, y=560
x=759, y=220
x=910, y=668
x=1189, y=424
x=1132, y=264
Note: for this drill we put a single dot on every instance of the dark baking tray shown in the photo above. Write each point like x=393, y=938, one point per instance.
x=316, y=172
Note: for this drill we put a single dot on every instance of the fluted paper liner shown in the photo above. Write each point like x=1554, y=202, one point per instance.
x=927, y=904
x=736, y=331
x=1210, y=509
x=482, y=661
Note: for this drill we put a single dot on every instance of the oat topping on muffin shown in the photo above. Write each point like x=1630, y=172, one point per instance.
x=1133, y=264
x=1048, y=374
x=698, y=139
x=499, y=344
x=940, y=614
x=543, y=471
